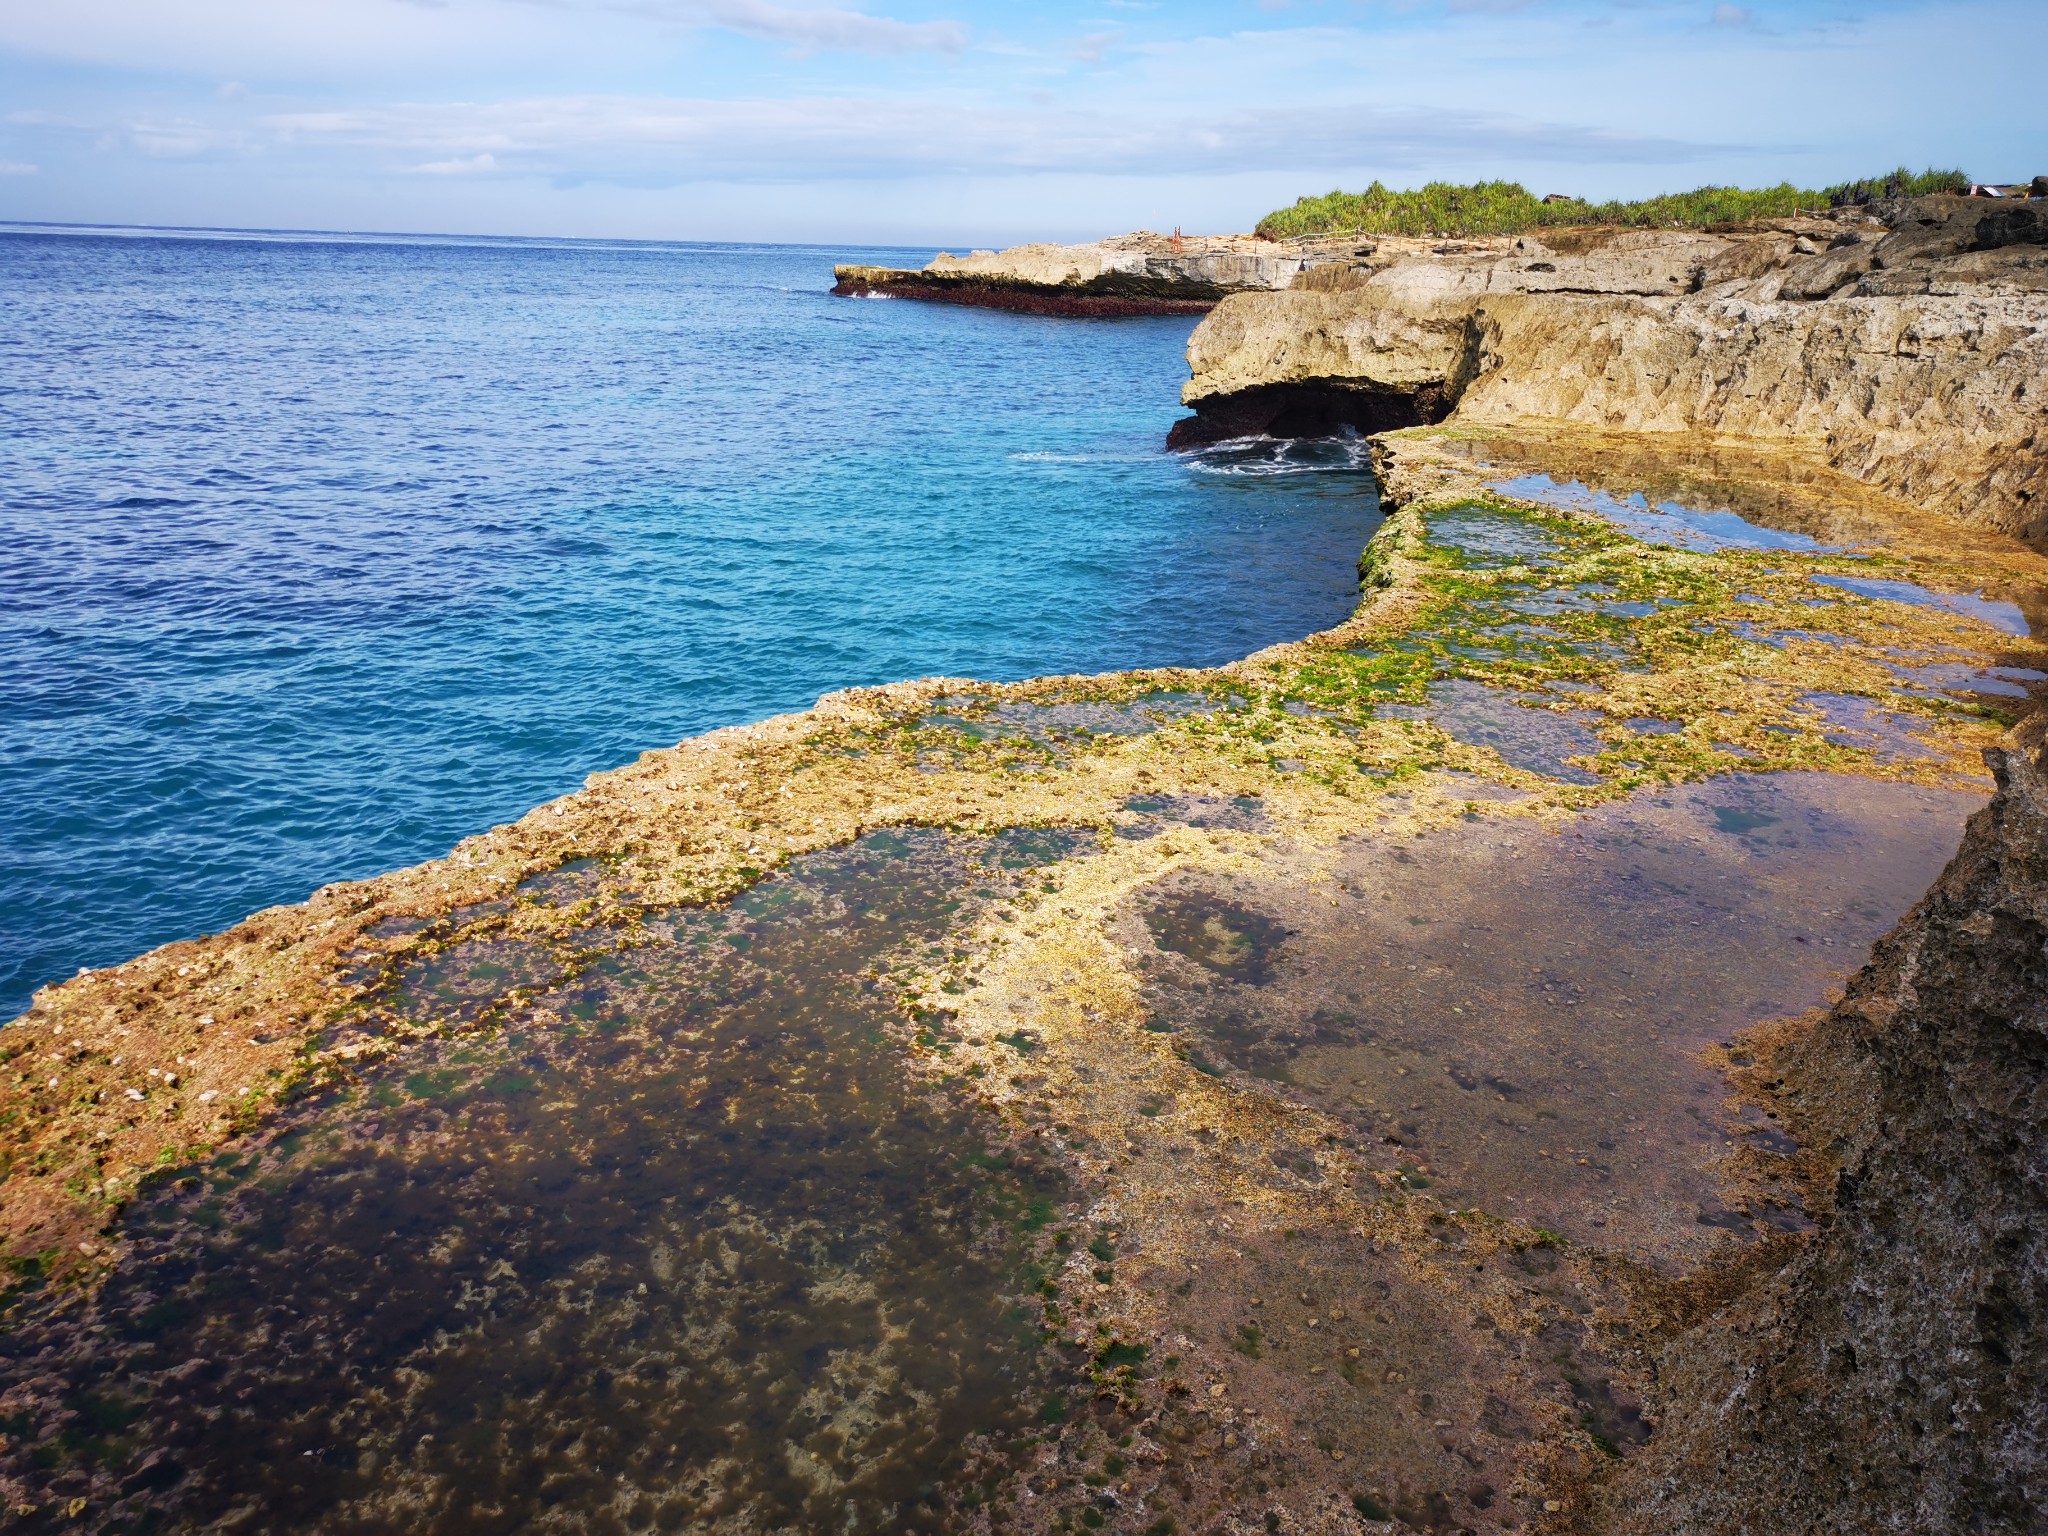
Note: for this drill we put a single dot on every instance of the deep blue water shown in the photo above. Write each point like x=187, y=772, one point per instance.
x=317, y=555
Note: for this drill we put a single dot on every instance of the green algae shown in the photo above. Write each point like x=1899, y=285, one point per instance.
x=803, y=1302
x=1513, y=598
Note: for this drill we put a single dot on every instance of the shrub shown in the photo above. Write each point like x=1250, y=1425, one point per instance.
x=1509, y=208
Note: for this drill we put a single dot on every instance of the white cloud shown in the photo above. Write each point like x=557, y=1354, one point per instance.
x=253, y=40
x=174, y=138
x=808, y=28
x=16, y=168
x=687, y=139
x=1091, y=48
x=460, y=166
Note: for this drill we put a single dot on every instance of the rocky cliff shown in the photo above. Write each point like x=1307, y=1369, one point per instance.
x=1133, y=274
x=1893, y=1379
x=1911, y=357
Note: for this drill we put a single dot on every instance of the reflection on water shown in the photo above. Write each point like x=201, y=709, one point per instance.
x=1514, y=725
x=1971, y=605
x=679, y=1247
x=1489, y=540
x=1667, y=522
x=1867, y=724
x=1961, y=678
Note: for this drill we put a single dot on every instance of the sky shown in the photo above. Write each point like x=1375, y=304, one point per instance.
x=966, y=123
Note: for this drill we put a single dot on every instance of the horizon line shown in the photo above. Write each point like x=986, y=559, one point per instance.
x=67, y=226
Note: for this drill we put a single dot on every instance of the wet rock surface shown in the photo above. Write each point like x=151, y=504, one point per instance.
x=1893, y=1377
x=677, y=1247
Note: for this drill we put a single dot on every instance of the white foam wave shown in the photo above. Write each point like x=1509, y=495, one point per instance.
x=1261, y=457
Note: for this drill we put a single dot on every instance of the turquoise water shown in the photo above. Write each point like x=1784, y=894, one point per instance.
x=317, y=555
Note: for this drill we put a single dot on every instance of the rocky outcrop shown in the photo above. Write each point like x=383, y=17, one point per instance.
x=1936, y=400
x=1130, y=275
x=1912, y=358
x=1894, y=1377
x=1407, y=324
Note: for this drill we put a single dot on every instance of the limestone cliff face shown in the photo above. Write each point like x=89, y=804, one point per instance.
x=1404, y=317
x=1131, y=274
x=1894, y=1377
x=1939, y=400
x=1382, y=333
x=1914, y=359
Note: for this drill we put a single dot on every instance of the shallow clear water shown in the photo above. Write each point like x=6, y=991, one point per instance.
x=317, y=555
x=684, y=1247
x=1668, y=522
x=1999, y=615
x=1515, y=1012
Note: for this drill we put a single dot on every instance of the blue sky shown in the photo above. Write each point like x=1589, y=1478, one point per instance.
x=963, y=123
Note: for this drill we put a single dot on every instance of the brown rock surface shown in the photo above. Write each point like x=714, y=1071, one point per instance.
x=1912, y=359
x=1892, y=1377
x=1937, y=399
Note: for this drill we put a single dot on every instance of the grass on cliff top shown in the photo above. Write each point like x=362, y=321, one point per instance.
x=1509, y=208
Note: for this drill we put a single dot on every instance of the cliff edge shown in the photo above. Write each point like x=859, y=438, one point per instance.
x=1892, y=1378
x=1135, y=274
x=1910, y=356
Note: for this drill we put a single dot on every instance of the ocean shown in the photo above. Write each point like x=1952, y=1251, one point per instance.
x=320, y=553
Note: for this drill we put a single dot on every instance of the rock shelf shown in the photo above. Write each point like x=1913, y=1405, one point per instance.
x=1140, y=274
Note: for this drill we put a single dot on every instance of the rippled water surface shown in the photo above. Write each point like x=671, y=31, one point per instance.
x=317, y=555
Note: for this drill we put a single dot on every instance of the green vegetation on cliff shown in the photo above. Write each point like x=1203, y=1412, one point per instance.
x=1509, y=208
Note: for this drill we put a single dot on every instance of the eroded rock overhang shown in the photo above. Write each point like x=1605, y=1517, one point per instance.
x=1311, y=408
x=1911, y=357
